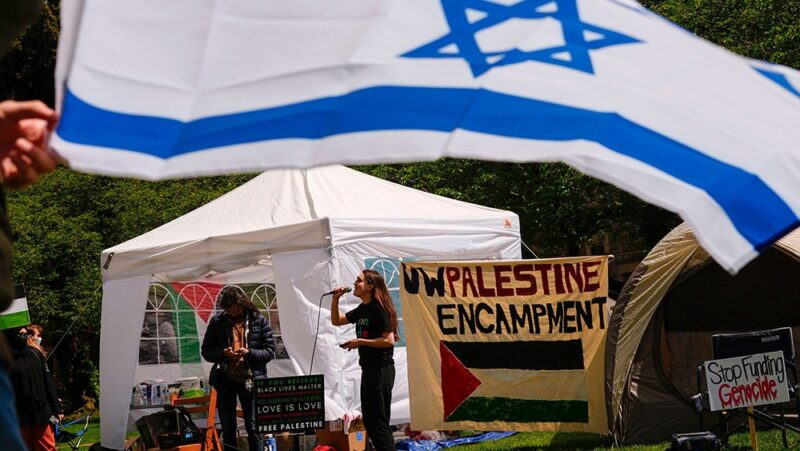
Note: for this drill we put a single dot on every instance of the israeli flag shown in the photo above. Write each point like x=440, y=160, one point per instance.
x=156, y=89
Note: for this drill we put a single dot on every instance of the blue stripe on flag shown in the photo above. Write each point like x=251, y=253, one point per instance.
x=757, y=212
x=778, y=78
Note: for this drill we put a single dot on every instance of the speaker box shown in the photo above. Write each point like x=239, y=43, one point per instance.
x=740, y=344
x=155, y=424
x=695, y=441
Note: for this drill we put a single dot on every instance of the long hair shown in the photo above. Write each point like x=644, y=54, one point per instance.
x=232, y=295
x=381, y=293
x=32, y=341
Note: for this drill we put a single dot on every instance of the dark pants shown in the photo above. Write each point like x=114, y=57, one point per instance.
x=376, y=404
x=227, y=391
x=9, y=424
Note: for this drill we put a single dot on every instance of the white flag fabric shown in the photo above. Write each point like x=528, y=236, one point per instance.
x=156, y=89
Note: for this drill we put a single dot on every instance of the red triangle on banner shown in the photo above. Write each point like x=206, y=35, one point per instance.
x=457, y=381
x=201, y=296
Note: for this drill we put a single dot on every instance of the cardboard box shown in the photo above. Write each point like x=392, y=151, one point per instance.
x=357, y=425
x=358, y=440
x=353, y=441
x=338, y=425
x=286, y=442
x=306, y=442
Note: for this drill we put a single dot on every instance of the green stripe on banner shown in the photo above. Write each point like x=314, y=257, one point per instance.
x=521, y=411
x=17, y=319
x=186, y=330
x=188, y=341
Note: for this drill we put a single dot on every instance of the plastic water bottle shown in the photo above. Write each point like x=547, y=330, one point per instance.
x=270, y=444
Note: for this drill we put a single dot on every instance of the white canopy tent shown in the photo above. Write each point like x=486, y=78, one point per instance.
x=305, y=231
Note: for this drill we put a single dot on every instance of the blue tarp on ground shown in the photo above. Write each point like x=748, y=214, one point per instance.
x=432, y=445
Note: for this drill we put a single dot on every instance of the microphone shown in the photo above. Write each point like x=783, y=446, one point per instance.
x=346, y=290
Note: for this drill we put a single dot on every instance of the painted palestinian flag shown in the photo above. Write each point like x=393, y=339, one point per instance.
x=17, y=314
x=466, y=367
x=195, y=305
x=175, y=321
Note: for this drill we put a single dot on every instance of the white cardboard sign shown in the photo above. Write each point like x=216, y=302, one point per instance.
x=746, y=381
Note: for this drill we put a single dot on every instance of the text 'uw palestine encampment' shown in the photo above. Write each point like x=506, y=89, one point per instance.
x=530, y=282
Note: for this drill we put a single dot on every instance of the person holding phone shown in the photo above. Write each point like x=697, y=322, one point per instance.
x=239, y=342
x=376, y=332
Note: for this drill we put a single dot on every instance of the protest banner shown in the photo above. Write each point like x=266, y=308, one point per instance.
x=746, y=381
x=511, y=345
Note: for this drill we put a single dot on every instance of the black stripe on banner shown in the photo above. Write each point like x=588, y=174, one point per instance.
x=520, y=355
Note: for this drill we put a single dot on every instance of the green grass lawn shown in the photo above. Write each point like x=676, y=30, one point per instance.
x=553, y=441
x=767, y=440
x=92, y=434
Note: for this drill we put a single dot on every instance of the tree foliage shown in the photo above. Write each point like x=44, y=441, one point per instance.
x=560, y=209
x=768, y=30
x=60, y=226
x=26, y=72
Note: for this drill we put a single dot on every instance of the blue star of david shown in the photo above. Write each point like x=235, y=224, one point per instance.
x=574, y=54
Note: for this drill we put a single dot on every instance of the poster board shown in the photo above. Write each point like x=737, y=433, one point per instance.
x=507, y=345
x=289, y=404
x=747, y=381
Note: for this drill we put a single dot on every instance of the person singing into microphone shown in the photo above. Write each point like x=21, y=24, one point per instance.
x=376, y=331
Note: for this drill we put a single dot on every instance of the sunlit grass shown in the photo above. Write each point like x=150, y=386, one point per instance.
x=767, y=440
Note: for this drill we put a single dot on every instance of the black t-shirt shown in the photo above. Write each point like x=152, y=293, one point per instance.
x=371, y=321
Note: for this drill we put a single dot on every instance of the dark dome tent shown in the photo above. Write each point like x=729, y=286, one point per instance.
x=662, y=324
